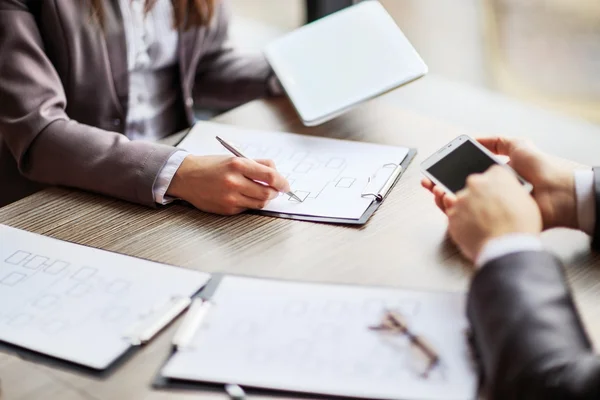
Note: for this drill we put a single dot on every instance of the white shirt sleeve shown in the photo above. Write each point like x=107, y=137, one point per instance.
x=508, y=244
x=586, y=200
x=166, y=176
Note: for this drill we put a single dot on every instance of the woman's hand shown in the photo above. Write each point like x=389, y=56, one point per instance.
x=227, y=185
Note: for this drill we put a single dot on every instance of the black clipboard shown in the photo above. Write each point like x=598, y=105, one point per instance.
x=378, y=194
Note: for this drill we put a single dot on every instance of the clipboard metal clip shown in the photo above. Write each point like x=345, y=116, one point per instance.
x=155, y=320
x=380, y=194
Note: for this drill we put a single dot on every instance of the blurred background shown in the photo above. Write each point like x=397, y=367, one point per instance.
x=542, y=51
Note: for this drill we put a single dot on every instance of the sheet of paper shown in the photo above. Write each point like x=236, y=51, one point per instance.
x=314, y=338
x=76, y=303
x=329, y=175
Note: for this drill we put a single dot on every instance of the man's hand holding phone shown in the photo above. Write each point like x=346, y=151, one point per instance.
x=491, y=205
x=552, y=180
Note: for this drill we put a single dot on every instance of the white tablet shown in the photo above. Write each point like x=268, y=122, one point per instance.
x=338, y=62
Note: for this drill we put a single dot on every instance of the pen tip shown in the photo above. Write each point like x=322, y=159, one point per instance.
x=295, y=197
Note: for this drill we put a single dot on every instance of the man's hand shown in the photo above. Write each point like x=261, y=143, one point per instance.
x=552, y=180
x=227, y=185
x=492, y=204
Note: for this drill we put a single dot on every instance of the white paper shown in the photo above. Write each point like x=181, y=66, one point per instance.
x=329, y=175
x=77, y=303
x=314, y=338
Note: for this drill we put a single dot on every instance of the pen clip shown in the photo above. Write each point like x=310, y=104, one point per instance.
x=192, y=321
x=383, y=191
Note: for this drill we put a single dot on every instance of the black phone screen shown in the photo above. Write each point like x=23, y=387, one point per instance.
x=452, y=171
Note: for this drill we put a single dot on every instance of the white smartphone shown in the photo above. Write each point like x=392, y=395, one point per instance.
x=450, y=166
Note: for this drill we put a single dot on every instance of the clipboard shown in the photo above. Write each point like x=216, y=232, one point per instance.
x=142, y=334
x=76, y=308
x=333, y=164
x=378, y=195
x=192, y=323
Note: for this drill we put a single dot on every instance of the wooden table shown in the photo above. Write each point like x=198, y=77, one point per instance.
x=404, y=244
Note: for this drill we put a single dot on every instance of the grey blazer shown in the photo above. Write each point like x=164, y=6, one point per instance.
x=64, y=95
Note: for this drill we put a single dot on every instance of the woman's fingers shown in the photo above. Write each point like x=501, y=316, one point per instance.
x=266, y=163
x=259, y=172
x=252, y=203
x=258, y=191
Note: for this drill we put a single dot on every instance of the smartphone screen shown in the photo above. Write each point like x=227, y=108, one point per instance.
x=452, y=171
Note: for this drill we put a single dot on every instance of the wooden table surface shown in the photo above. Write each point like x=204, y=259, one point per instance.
x=403, y=245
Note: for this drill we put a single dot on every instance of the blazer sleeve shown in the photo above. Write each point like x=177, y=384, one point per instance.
x=49, y=147
x=227, y=77
x=527, y=332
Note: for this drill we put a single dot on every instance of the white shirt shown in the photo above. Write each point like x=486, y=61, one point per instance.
x=152, y=45
x=513, y=243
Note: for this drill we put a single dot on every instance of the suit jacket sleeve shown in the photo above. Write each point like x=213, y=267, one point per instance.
x=50, y=147
x=530, y=339
x=227, y=77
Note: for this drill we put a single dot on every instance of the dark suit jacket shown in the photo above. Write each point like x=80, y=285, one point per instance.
x=530, y=339
x=64, y=94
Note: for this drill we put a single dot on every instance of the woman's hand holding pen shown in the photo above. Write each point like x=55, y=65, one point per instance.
x=227, y=185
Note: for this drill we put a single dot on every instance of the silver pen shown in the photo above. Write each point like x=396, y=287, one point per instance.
x=238, y=153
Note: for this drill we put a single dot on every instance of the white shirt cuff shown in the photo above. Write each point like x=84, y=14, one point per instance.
x=166, y=176
x=586, y=200
x=508, y=244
